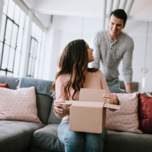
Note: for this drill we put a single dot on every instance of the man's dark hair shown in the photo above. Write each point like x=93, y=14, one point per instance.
x=121, y=14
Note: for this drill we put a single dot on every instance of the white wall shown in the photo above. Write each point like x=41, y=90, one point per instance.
x=44, y=19
x=148, y=76
x=67, y=29
x=138, y=30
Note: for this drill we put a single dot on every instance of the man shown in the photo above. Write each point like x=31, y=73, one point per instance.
x=111, y=46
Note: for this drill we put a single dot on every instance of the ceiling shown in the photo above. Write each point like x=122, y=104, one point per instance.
x=137, y=9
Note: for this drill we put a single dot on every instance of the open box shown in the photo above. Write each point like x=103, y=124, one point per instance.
x=89, y=113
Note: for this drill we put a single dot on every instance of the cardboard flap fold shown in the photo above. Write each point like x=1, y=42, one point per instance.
x=67, y=103
x=111, y=106
x=105, y=105
x=88, y=104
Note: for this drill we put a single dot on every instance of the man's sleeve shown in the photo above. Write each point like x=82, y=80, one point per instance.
x=127, y=62
x=96, y=52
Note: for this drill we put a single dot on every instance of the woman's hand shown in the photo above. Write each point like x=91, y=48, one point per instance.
x=61, y=109
x=111, y=98
x=58, y=107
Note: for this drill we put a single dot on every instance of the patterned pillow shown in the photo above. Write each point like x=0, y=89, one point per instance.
x=3, y=85
x=126, y=118
x=18, y=104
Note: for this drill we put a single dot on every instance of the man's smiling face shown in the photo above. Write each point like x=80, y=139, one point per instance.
x=115, y=26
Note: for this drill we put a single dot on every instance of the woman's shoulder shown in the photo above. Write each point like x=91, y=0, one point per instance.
x=62, y=79
x=98, y=72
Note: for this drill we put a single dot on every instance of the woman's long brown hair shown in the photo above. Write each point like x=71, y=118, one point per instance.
x=73, y=61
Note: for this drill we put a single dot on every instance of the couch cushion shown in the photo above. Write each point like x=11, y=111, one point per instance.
x=12, y=82
x=44, y=103
x=16, y=135
x=53, y=119
x=127, y=142
x=34, y=149
x=46, y=138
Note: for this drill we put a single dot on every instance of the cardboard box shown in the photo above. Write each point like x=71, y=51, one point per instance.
x=89, y=113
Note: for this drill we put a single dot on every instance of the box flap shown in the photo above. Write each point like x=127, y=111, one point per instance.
x=94, y=104
x=88, y=104
x=67, y=103
x=111, y=106
x=91, y=95
x=83, y=103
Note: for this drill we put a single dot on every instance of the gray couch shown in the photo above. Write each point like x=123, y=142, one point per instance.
x=18, y=136
x=135, y=86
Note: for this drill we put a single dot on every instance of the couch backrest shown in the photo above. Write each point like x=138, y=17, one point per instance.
x=44, y=103
x=53, y=119
x=12, y=82
x=135, y=86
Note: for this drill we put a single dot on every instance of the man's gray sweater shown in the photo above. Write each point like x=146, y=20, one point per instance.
x=111, y=53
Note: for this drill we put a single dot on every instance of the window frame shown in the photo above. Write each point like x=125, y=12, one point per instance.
x=19, y=50
x=33, y=57
x=9, y=44
x=3, y=45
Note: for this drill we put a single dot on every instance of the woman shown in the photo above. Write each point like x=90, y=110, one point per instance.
x=74, y=74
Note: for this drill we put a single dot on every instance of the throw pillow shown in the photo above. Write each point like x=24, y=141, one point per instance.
x=18, y=104
x=3, y=85
x=126, y=118
x=145, y=113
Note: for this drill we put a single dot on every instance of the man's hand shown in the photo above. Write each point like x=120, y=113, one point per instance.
x=128, y=87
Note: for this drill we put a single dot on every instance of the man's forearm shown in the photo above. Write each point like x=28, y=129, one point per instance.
x=128, y=87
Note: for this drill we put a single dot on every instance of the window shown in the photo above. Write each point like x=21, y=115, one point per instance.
x=35, y=51
x=11, y=38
